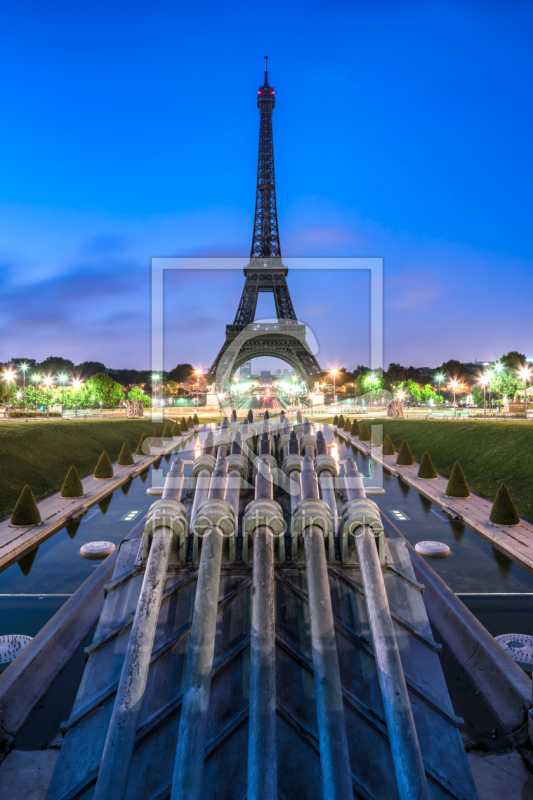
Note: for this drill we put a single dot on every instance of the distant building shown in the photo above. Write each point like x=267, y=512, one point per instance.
x=288, y=372
x=246, y=369
x=265, y=372
x=278, y=373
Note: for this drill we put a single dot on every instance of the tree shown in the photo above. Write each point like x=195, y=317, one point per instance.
x=54, y=365
x=181, y=373
x=72, y=485
x=104, y=468
x=87, y=369
x=504, y=510
x=104, y=389
x=426, y=469
x=405, y=457
x=457, y=485
x=26, y=511
x=412, y=389
x=125, y=458
x=427, y=393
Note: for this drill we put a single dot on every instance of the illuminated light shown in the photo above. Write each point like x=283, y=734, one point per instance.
x=335, y=453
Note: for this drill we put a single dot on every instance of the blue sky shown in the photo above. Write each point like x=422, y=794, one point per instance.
x=402, y=130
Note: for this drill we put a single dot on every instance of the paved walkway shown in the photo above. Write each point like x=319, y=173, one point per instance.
x=474, y=510
x=56, y=510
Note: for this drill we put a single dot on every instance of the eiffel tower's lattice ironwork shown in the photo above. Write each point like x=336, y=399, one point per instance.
x=246, y=339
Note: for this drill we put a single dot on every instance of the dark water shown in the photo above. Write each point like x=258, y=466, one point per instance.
x=496, y=588
x=35, y=587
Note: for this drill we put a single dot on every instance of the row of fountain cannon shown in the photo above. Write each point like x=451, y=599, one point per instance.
x=240, y=453
x=307, y=472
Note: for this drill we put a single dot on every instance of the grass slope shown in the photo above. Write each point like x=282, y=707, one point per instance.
x=40, y=453
x=490, y=453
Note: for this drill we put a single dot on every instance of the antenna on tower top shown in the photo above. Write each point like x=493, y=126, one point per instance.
x=266, y=69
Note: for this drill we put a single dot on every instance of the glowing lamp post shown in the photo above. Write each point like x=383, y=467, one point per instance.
x=334, y=372
x=198, y=373
x=484, y=380
x=498, y=369
x=24, y=367
x=439, y=378
x=63, y=379
x=454, y=385
x=76, y=385
x=47, y=382
x=8, y=376
x=525, y=373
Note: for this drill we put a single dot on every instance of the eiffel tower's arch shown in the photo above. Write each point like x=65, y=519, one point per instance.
x=283, y=339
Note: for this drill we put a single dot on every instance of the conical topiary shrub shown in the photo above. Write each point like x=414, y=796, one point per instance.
x=183, y=424
x=388, y=447
x=354, y=430
x=340, y=422
x=125, y=458
x=375, y=440
x=335, y=420
x=364, y=435
x=196, y=420
x=156, y=439
x=26, y=511
x=190, y=423
x=503, y=510
x=104, y=468
x=176, y=429
x=167, y=431
x=72, y=486
x=426, y=469
x=457, y=485
x=139, y=449
x=348, y=425
x=405, y=458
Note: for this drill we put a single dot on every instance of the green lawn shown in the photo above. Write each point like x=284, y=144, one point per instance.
x=489, y=452
x=40, y=453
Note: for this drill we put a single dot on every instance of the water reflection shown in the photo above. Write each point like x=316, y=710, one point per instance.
x=104, y=504
x=72, y=528
x=26, y=562
x=502, y=560
x=125, y=488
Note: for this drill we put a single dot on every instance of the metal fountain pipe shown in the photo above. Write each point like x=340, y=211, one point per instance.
x=236, y=469
x=234, y=416
x=263, y=517
x=363, y=520
x=298, y=417
x=120, y=739
x=190, y=750
x=327, y=472
x=203, y=478
x=250, y=416
x=294, y=475
x=353, y=481
x=311, y=517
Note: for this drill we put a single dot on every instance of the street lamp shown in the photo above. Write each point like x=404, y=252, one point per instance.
x=484, y=380
x=439, y=378
x=454, y=385
x=198, y=373
x=35, y=379
x=525, y=373
x=24, y=367
x=63, y=379
x=498, y=368
x=76, y=385
x=47, y=382
x=334, y=372
x=8, y=376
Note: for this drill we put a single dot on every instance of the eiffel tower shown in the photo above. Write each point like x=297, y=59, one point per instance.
x=283, y=338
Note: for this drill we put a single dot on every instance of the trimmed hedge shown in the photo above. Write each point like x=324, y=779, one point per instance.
x=504, y=510
x=354, y=430
x=125, y=458
x=340, y=423
x=167, y=431
x=19, y=414
x=457, y=485
x=72, y=486
x=375, y=440
x=347, y=425
x=196, y=420
x=426, y=469
x=176, y=429
x=364, y=435
x=183, y=425
x=335, y=420
x=139, y=449
x=405, y=458
x=388, y=447
x=26, y=511
x=104, y=468
x=190, y=423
